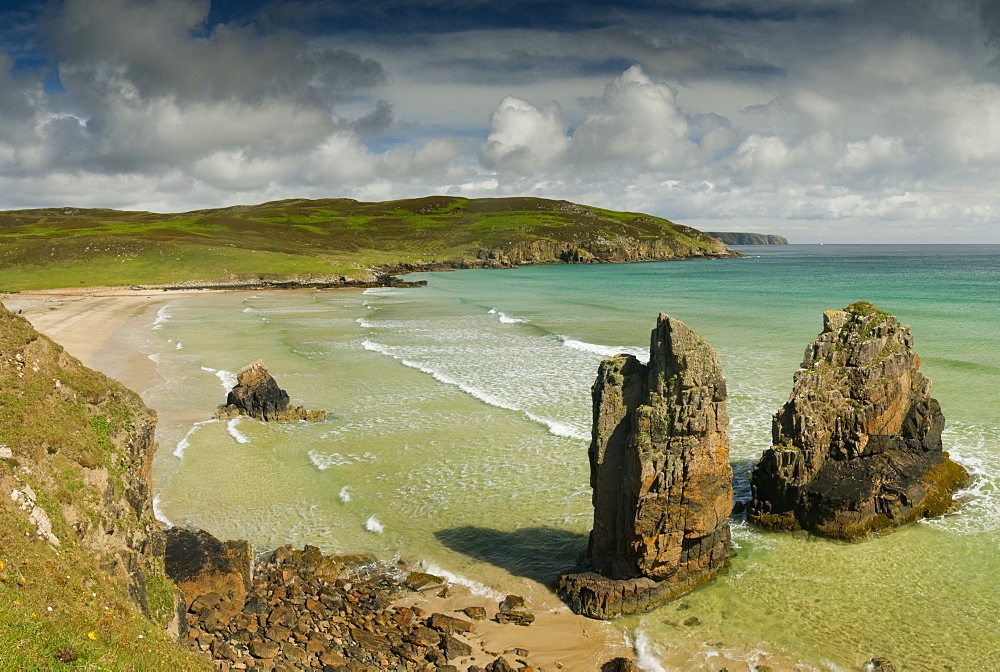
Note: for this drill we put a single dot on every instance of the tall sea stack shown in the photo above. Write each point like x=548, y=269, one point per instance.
x=857, y=447
x=659, y=468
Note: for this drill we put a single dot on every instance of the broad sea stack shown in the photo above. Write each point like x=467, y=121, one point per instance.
x=659, y=467
x=857, y=447
x=257, y=395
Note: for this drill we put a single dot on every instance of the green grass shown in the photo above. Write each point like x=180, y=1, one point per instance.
x=64, y=247
x=65, y=424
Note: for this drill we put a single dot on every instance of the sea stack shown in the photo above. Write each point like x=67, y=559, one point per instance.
x=257, y=395
x=857, y=447
x=659, y=468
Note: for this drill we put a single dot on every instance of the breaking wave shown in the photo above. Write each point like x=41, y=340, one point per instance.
x=554, y=426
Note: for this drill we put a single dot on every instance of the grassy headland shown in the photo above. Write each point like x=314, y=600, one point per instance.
x=69, y=247
x=82, y=578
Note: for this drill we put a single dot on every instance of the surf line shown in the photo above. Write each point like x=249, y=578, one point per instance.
x=555, y=427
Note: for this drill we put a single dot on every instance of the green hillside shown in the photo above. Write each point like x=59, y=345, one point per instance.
x=69, y=247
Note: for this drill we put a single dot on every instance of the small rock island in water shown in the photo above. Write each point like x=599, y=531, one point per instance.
x=857, y=447
x=659, y=467
x=257, y=395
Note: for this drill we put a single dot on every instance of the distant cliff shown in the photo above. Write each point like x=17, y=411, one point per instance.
x=739, y=238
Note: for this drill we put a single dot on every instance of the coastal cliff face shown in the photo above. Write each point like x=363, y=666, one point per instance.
x=76, y=452
x=659, y=469
x=857, y=447
x=603, y=250
x=600, y=250
x=741, y=238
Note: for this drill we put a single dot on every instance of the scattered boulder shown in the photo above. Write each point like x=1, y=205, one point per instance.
x=207, y=570
x=475, y=613
x=513, y=609
x=257, y=395
x=620, y=665
x=857, y=447
x=659, y=468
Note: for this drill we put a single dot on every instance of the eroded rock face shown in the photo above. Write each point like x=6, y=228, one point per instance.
x=659, y=468
x=857, y=447
x=257, y=395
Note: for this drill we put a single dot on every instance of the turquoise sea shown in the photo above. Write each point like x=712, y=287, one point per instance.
x=460, y=417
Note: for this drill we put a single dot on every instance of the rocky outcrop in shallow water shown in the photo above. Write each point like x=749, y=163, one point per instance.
x=257, y=395
x=857, y=447
x=659, y=468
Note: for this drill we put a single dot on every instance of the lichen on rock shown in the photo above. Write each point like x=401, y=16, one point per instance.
x=857, y=447
x=659, y=468
x=257, y=395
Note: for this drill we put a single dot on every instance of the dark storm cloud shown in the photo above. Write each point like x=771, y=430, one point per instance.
x=823, y=116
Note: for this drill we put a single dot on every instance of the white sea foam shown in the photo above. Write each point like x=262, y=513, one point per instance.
x=973, y=447
x=155, y=358
x=555, y=427
x=345, y=494
x=183, y=444
x=158, y=513
x=381, y=291
x=604, y=350
x=324, y=461
x=364, y=324
x=474, y=587
x=162, y=316
x=372, y=525
x=645, y=655
x=504, y=318
x=235, y=433
x=228, y=378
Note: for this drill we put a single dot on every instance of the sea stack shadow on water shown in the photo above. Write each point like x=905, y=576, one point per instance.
x=257, y=395
x=659, y=468
x=857, y=447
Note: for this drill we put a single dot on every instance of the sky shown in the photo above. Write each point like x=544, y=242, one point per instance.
x=851, y=121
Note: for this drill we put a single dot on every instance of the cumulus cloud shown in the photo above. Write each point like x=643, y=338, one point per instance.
x=637, y=118
x=149, y=90
x=795, y=117
x=523, y=138
x=635, y=123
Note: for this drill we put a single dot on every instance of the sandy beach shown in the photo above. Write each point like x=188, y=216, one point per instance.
x=89, y=324
x=97, y=327
x=104, y=329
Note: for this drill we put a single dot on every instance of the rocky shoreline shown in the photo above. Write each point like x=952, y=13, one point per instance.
x=297, y=610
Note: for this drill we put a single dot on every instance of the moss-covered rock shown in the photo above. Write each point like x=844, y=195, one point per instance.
x=857, y=448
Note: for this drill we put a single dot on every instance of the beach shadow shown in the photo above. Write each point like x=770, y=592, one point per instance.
x=536, y=553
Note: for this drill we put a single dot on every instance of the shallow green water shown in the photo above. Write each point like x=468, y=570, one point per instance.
x=459, y=417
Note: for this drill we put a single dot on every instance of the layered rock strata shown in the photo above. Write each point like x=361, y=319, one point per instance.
x=659, y=468
x=257, y=395
x=857, y=447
